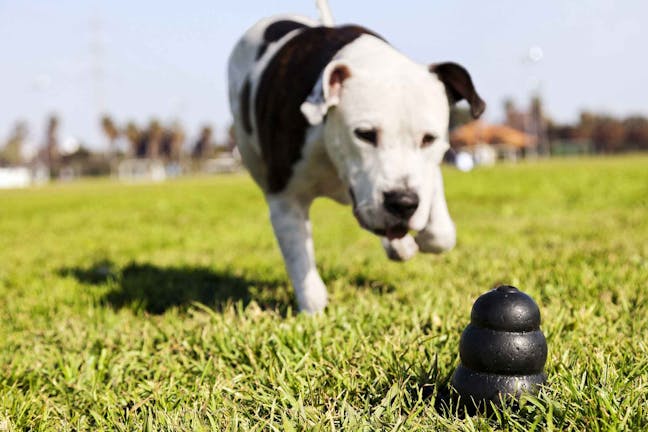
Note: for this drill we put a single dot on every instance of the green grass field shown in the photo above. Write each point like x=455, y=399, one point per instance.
x=166, y=306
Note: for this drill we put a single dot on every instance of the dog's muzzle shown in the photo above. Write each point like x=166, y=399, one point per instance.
x=401, y=203
x=398, y=206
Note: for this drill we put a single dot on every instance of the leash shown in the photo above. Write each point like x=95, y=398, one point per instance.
x=325, y=13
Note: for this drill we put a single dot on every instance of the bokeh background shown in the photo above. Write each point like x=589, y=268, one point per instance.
x=162, y=64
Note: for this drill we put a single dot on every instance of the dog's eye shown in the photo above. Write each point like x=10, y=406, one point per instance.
x=428, y=140
x=369, y=136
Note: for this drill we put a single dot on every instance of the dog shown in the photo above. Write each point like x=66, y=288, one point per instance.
x=330, y=111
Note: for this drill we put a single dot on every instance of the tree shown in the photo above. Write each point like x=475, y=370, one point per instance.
x=134, y=137
x=514, y=117
x=12, y=153
x=172, y=141
x=586, y=125
x=636, y=132
x=111, y=131
x=608, y=134
x=204, y=145
x=154, y=135
x=561, y=132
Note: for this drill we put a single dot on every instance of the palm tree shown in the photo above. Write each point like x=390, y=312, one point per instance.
x=112, y=133
x=204, y=145
x=12, y=152
x=134, y=137
x=154, y=136
x=177, y=138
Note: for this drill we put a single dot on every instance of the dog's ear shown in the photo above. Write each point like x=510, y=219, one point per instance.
x=459, y=86
x=326, y=93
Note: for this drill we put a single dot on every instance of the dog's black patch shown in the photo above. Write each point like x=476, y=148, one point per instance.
x=285, y=84
x=262, y=49
x=279, y=29
x=276, y=31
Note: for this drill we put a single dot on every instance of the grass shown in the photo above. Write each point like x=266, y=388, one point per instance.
x=166, y=306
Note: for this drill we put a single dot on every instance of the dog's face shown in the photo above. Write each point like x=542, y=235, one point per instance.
x=384, y=138
x=386, y=131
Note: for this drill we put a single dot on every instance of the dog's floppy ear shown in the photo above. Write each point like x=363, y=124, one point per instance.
x=326, y=92
x=459, y=86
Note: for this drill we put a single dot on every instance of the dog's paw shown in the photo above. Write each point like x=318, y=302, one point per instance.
x=438, y=241
x=312, y=297
x=400, y=249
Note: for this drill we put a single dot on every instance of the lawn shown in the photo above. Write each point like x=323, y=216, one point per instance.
x=166, y=306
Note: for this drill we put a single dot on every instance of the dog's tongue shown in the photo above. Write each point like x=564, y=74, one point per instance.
x=396, y=232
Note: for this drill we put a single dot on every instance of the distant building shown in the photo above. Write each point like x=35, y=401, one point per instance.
x=17, y=177
x=487, y=142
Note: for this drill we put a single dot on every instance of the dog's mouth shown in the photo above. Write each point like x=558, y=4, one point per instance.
x=395, y=231
x=392, y=232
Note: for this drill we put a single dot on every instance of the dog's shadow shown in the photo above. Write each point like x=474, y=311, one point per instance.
x=155, y=289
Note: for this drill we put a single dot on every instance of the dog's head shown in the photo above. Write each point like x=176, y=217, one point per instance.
x=386, y=130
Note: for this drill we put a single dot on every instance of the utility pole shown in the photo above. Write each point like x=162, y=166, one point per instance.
x=96, y=55
x=535, y=123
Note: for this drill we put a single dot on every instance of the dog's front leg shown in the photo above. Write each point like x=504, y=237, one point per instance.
x=292, y=228
x=440, y=234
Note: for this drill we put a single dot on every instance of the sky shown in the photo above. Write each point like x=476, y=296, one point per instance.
x=143, y=59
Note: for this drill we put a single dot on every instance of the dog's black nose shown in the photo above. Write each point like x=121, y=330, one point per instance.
x=401, y=203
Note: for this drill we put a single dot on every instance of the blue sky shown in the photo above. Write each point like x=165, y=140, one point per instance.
x=166, y=59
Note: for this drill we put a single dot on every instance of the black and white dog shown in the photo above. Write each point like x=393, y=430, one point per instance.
x=337, y=112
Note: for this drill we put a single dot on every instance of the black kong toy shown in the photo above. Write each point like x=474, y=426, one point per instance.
x=502, y=350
